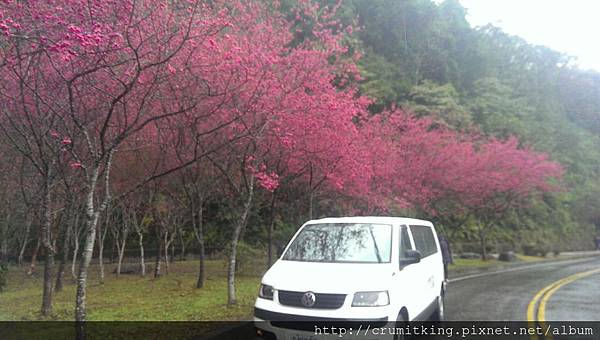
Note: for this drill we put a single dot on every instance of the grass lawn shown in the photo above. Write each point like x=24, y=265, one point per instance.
x=472, y=263
x=131, y=297
x=172, y=297
x=461, y=265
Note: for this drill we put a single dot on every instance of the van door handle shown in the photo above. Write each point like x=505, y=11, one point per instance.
x=431, y=281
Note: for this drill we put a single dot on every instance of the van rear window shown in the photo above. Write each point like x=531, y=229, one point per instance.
x=342, y=242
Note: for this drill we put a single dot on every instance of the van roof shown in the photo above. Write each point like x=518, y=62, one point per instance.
x=370, y=219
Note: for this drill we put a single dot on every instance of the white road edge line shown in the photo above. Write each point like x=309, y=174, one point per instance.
x=501, y=271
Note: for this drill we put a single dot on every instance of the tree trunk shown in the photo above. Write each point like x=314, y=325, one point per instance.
x=64, y=259
x=121, y=252
x=101, y=238
x=75, y=253
x=4, y=247
x=483, y=239
x=169, y=245
x=200, y=239
x=25, y=241
x=47, y=293
x=34, y=257
x=4, y=241
x=158, y=254
x=101, y=257
x=270, y=230
x=166, y=249
x=482, y=242
x=86, y=258
x=46, y=234
x=91, y=222
x=231, y=299
x=142, y=261
x=310, y=204
x=182, y=250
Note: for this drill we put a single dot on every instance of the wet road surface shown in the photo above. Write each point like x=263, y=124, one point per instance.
x=506, y=296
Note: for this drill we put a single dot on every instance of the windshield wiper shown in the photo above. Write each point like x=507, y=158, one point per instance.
x=375, y=244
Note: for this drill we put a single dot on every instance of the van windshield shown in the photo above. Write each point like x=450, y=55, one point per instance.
x=342, y=242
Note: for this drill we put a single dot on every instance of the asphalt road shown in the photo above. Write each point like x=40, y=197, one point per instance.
x=507, y=296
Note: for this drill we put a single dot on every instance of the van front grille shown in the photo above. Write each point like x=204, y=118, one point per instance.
x=322, y=301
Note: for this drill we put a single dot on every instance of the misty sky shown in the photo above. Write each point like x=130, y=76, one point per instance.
x=570, y=26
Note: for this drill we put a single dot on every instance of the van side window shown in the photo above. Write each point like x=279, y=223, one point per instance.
x=404, y=242
x=424, y=240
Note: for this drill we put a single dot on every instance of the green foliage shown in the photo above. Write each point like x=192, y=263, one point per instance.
x=441, y=102
x=382, y=80
x=496, y=109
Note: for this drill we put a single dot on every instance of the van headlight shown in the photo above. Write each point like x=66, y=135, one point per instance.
x=371, y=299
x=266, y=292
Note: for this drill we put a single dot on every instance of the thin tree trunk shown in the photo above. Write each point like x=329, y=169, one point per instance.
x=46, y=234
x=47, y=293
x=310, y=204
x=310, y=195
x=86, y=258
x=142, y=261
x=25, y=241
x=121, y=251
x=75, y=253
x=101, y=256
x=168, y=245
x=166, y=249
x=483, y=239
x=159, y=252
x=4, y=244
x=200, y=238
x=231, y=299
x=157, y=262
x=34, y=257
x=91, y=222
x=101, y=238
x=270, y=230
x=64, y=259
x=482, y=243
x=182, y=250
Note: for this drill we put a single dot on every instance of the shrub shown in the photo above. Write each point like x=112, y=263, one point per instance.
x=529, y=249
x=249, y=260
x=536, y=249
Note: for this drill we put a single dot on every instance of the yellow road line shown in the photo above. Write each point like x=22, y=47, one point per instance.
x=532, y=305
x=544, y=295
x=542, y=307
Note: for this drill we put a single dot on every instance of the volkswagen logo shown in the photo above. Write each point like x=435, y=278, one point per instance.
x=308, y=299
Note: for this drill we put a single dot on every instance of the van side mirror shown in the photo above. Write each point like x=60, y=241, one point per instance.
x=410, y=257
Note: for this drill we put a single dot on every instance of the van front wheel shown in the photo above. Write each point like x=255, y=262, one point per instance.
x=438, y=315
x=400, y=322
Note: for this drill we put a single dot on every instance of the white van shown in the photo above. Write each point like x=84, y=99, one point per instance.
x=373, y=269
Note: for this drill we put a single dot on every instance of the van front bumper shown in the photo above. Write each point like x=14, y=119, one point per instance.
x=285, y=326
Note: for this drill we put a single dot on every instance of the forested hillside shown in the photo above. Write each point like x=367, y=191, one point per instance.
x=216, y=128
x=425, y=58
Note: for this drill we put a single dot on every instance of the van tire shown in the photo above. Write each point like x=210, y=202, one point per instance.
x=440, y=310
x=400, y=319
